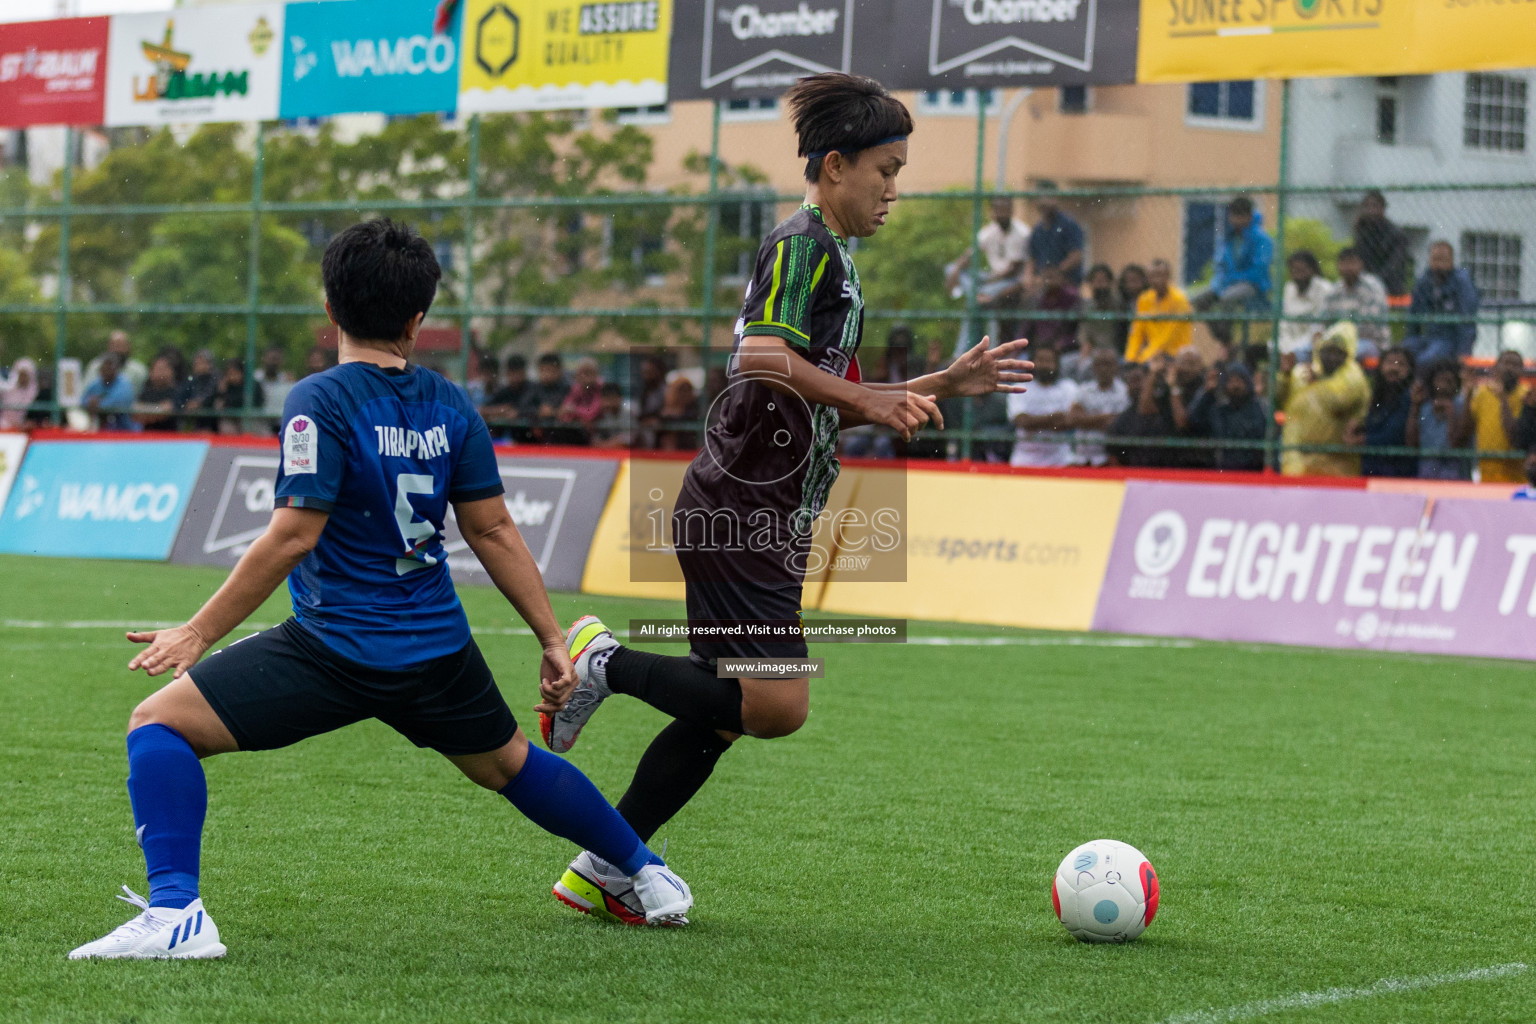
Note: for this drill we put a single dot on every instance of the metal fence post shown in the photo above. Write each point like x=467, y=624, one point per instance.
x=972, y=325
x=1272, y=443
x=61, y=296
x=711, y=233
x=470, y=207
x=253, y=275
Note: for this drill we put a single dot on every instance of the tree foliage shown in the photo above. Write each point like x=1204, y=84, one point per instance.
x=542, y=256
x=902, y=267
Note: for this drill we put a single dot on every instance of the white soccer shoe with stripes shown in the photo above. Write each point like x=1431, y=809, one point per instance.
x=666, y=897
x=159, y=933
x=586, y=638
x=656, y=896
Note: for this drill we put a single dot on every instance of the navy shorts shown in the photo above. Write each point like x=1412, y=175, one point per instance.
x=284, y=685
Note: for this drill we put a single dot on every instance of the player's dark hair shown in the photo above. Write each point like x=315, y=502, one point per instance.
x=1242, y=206
x=517, y=363
x=378, y=275
x=834, y=112
x=1349, y=252
x=551, y=359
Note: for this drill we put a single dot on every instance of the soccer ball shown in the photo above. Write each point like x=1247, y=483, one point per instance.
x=1105, y=891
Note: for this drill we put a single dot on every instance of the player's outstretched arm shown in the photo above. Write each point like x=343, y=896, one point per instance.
x=980, y=370
x=291, y=535
x=773, y=362
x=494, y=538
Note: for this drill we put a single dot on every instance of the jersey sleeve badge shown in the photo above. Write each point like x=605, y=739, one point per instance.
x=301, y=446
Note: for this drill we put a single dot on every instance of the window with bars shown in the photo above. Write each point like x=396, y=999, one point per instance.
x=764, y=108
x=661, y=113
x=1493, y=260
x=1386, y=110
x=1495, y=113
x=1225, y=104
x=953, y=101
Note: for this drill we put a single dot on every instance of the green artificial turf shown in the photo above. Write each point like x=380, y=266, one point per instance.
x=1319, y=820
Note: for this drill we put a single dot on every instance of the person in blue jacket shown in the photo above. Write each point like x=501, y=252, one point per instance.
x=1242, y=279
x=1443, y=289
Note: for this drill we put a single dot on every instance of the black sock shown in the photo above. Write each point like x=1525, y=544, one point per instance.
x=677, y=687
x=673, y=768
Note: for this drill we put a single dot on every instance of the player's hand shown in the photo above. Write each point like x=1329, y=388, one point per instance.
x=984, y=369
x=170, y=650
x=557, y=678
x=902, y=411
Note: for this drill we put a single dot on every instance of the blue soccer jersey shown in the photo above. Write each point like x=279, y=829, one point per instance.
x=383, y=451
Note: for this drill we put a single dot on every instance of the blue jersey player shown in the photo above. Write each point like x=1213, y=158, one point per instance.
x=373, y=452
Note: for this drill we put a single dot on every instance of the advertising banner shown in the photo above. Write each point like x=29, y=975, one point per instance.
x=100, y=499
x=367, y=55
x=998, y=43
x=746, y=48
x=53, y=72
x=563, y=54
x=12, y=447
x=195, y=65
x=229, y=508
x=1189, y=40
x=554, y=502
x=1323, y=568
x=610, y=565
x=1009, y=550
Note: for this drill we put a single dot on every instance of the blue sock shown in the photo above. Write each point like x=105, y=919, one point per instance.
x=557, y=797
x=170, y=798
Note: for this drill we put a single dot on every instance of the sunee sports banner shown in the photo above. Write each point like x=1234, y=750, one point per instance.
x=194, y=65
x=563, y=54
x=1212, y=40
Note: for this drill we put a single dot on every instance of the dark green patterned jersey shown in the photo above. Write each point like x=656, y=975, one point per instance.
x=769, y=458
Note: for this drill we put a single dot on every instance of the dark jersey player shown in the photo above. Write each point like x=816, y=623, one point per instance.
x=372, y=454
x=744, y=517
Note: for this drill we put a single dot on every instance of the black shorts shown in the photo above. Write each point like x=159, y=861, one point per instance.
x=714, y=599
x=284, y=685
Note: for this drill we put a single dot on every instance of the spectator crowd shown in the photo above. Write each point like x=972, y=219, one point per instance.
x=1120, y=377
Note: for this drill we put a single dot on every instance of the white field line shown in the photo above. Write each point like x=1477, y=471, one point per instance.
x=921, y=641
x=1310, y=1000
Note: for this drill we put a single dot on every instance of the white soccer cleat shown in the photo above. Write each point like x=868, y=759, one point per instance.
x=595, y=887
x=666, y=897
x=586, y=638
x=159, y=933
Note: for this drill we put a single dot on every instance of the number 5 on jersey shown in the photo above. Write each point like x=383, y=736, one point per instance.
x=415, y=533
